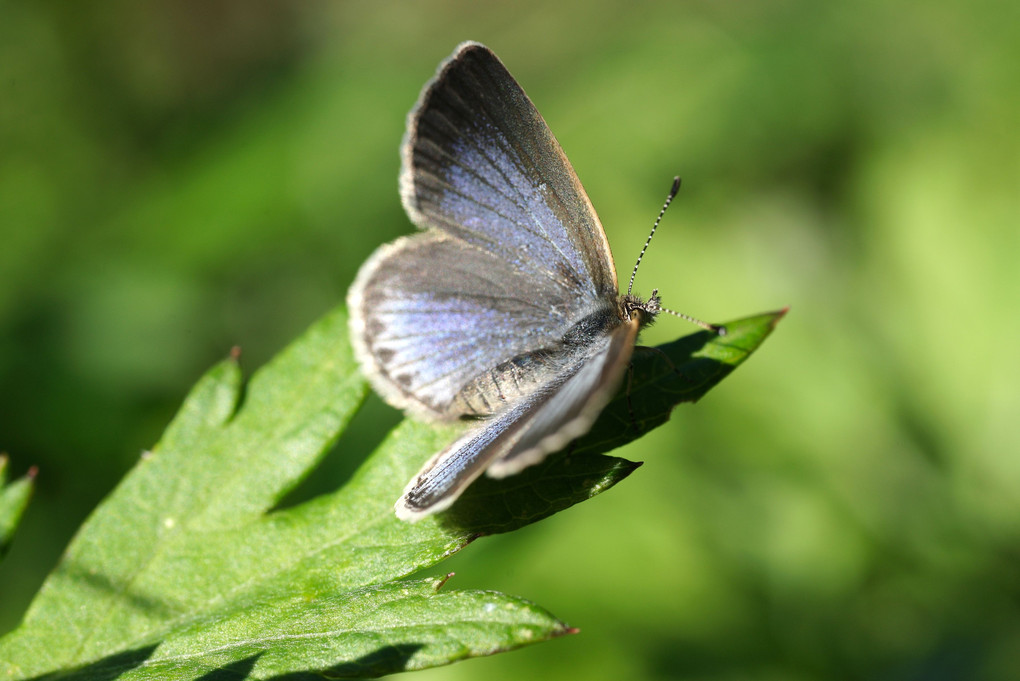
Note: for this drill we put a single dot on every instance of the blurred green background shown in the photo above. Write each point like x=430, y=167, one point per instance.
x=180, y=177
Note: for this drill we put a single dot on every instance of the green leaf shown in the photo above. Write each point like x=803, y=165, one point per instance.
x=14, y=498
x=394, y=626
x=188, y=568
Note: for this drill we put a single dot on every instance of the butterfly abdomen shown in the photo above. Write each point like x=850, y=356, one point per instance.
x=527, y=373
x=504, y=384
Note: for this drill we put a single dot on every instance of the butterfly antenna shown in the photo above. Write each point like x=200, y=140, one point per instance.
x=669, y=199
x=717, y=329
x=714, y=328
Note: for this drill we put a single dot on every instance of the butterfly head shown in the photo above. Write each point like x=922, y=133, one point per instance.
x=643, y=312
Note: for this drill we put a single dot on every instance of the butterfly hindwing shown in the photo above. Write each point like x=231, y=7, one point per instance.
x=430, y=313
x=526, y=433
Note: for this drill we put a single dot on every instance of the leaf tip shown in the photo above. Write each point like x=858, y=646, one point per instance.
x=14, y=499
x=439, y=582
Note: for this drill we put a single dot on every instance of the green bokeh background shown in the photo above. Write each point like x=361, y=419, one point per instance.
x=177, y=178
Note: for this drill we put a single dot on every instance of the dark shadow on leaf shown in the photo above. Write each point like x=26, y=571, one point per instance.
x=386, y=660
x=105, y=669
x=659, y=379
x=363, y=433
x=233, y=671
x=491, y=506
x=101, y=582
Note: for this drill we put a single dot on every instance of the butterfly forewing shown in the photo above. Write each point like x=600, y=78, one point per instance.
x=480, y=163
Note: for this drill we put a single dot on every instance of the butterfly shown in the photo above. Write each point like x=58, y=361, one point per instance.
x=505, y=308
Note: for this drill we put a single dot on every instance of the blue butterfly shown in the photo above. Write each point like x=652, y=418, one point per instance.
x=506, y=307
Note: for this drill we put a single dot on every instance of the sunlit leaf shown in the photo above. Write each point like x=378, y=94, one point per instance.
x=189, y=567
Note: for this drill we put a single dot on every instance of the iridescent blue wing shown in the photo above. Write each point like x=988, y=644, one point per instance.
x=513, y=254
x=429, y=314
x=480, y=163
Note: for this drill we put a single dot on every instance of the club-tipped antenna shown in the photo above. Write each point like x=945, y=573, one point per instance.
x=669, y=199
